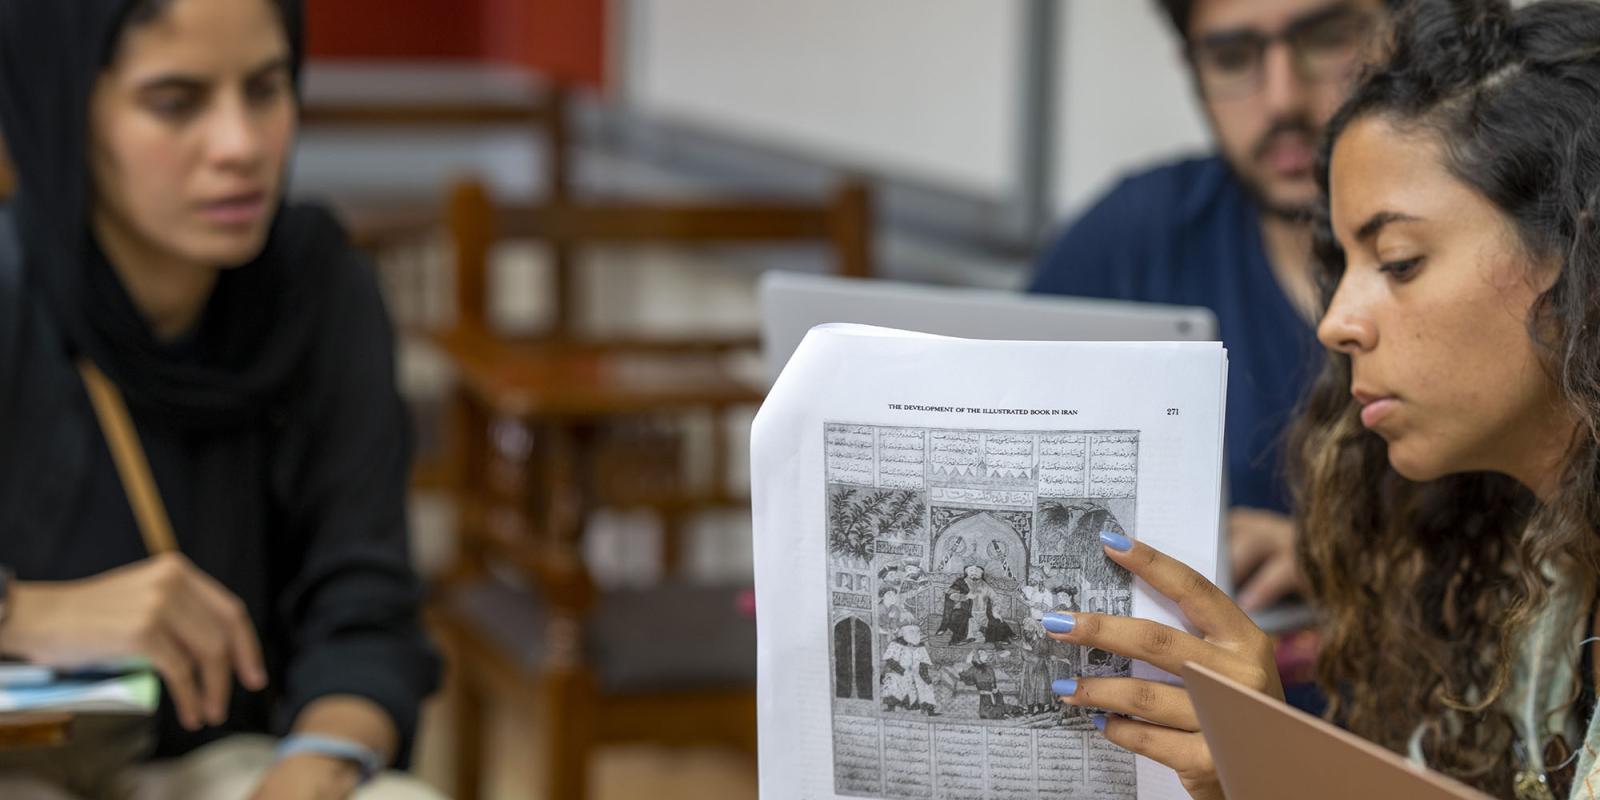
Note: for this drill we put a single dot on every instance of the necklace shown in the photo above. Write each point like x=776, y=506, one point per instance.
x=1532, y=785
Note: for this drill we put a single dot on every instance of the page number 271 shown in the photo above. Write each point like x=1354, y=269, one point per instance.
x=1172, y=412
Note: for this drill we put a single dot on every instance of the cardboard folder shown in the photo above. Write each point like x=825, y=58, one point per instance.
x=1266, y=750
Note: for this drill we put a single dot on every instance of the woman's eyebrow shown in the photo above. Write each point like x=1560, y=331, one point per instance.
x=1377, y=221
x=174, y=81
x=181, y=80
x=271, y=65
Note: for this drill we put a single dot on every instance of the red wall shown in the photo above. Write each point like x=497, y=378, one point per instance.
x=565, y=39
x=417, y=29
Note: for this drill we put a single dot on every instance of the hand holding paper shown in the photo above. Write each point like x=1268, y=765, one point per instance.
x=1167, y=729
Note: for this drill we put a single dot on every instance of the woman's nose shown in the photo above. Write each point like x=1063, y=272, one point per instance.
x=1347, y=327
x=234, y=137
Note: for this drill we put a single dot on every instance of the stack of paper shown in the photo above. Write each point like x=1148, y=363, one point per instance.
x=919, y=503
x=123, y=689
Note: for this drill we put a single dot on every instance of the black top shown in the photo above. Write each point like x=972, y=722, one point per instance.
x=298, y=510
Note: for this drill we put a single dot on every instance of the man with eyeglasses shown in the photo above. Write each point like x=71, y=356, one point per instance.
x=1231, y=232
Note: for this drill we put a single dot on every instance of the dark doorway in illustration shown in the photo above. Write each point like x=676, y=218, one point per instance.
x=852, y=659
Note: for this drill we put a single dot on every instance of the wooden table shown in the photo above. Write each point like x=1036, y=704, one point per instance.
x=575, y=380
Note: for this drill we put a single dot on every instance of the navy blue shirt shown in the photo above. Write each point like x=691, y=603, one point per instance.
x=1190, y=234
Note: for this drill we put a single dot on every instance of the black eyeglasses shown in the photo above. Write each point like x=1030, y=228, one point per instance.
x=1326, y=44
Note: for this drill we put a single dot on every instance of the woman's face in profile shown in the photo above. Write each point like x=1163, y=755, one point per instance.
x=1432, y=310
x=190, y=126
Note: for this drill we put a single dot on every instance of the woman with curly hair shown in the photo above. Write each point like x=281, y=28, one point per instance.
x=1448, y=461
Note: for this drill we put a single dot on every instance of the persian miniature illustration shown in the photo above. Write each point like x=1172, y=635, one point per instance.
x=945, y=548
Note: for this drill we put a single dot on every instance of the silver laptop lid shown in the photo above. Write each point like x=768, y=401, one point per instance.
x=793, y=303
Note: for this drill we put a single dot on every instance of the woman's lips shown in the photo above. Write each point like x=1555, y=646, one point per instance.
x=238, y=210
x=1373, y=412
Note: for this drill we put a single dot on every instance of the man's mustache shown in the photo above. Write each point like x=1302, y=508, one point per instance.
x=1285, y=125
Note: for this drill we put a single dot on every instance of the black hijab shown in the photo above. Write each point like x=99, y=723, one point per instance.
x=258, y=324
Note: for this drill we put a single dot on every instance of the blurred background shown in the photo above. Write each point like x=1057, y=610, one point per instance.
x=570, y=202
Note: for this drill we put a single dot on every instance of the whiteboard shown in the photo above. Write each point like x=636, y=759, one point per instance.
x=925, y=92
x=906, y=88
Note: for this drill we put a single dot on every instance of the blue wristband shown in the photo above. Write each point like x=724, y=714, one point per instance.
x=366, y=761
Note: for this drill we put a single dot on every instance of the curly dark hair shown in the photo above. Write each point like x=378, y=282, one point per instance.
x=1454, y=567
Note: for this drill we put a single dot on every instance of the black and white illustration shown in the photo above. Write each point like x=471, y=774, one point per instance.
x=945, y=547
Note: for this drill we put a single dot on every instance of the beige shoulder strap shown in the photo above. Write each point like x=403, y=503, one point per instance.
x=128, y=454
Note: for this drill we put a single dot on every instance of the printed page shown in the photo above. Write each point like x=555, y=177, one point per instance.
x=919, y=503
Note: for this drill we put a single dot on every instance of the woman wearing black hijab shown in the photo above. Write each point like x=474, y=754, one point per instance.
x=148, y=239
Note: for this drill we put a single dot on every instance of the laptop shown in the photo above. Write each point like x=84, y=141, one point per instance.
x=1266, y=750
x=794, y=303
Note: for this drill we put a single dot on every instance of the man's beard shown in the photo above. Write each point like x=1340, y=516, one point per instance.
x=1289, y=212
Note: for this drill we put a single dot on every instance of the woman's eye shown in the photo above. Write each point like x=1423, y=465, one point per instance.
x=173, y=105
x=1400, y=270
x=264, y=89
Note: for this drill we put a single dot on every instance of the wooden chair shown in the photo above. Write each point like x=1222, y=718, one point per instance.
x=396, y=231
x=553, y=428
x=369, y=102
x=565, y=225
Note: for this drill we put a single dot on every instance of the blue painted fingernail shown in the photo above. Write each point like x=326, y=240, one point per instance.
x=1064, y=687
x=1099, y=721
x=1056, y=622
x=1116, y=541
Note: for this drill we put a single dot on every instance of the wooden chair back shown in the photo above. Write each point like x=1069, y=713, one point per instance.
x=843, y=224
x=584, y=433
x=396, y=233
